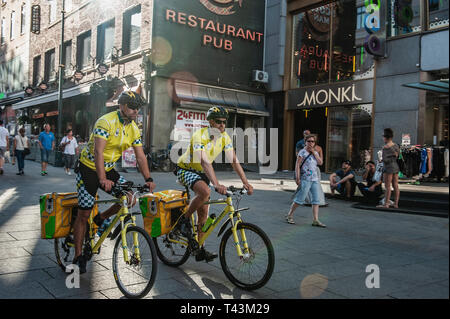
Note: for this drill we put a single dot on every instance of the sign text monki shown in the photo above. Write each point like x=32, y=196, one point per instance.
x=328, y=96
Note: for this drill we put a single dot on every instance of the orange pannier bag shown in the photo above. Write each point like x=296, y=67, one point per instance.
x=57, y=212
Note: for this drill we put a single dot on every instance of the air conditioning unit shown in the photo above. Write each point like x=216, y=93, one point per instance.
x=260, y=76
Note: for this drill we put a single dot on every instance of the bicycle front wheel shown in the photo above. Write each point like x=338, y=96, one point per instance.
x=136, y=277
x=254, y=269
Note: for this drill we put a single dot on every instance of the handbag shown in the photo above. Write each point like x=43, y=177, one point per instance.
x=26, y=150
x=61, y=147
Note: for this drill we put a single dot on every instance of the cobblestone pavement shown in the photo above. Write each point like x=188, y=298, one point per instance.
x=411, y=251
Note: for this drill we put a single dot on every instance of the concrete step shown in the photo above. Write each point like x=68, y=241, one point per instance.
x=406, y=210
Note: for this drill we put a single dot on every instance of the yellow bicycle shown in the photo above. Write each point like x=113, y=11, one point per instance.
x=134, y=255
x=246, y=253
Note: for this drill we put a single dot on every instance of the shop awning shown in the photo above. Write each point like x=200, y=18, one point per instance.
x=438, y=86
x=12, y=99
x=238, y=101
x=50, y=97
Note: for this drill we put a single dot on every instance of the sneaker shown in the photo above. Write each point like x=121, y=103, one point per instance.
x=42, y=173
x=80, y=261
x=69, y=173
x=205, y=255
x=45, y=172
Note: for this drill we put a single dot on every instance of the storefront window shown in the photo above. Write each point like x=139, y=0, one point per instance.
x=349, y=131
x=350, y=61
x=437, y=13
x=312, y=47
x=404, y=17
x=339, y=26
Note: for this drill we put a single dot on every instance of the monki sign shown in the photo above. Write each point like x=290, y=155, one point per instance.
x=347, y=93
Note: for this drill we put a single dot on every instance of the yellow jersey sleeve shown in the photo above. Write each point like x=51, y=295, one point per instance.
x=102, y=129
x=227, y=142
x=137, y=140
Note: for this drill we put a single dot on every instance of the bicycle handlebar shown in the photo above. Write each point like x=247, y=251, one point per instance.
x=119, y=189
x=231, y=190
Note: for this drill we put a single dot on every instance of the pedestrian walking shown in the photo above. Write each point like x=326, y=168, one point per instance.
x=21, y=142
x=70, y=149
x=47, y=144
x=319, y=174
x=4, y=145
x=307, y=180
x=390, y=153
x=347, y=183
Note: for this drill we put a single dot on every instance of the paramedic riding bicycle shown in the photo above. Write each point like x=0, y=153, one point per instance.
x=113, y=133
x=194, y=170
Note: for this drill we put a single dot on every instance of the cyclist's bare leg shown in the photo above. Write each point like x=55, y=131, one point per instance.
x=202, y=213
x=114, y=209
x=79, y=229
x=202, y=192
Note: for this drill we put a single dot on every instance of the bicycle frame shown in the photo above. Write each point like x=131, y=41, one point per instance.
x=231, y=212
x=123, y=212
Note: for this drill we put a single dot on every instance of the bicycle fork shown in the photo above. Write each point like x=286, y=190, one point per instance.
x=137, y=254
x=234, y=227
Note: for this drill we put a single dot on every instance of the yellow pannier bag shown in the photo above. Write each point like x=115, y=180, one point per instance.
x=161, y=210
x=57, y=213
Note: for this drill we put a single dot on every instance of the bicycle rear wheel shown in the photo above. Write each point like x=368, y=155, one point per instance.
x=169, y=252
x=64, y=251
x=135, y=278
x=254, y=269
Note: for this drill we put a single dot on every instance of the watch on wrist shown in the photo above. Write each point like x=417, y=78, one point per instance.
x=149, y=180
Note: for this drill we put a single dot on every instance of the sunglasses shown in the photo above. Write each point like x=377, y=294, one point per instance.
x=311, y=141
x=220, y=122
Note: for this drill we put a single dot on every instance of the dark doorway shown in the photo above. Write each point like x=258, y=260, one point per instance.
x=314, y=120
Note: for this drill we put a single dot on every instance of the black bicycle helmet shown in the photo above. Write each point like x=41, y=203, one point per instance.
x=132, y=99
x=217, y=112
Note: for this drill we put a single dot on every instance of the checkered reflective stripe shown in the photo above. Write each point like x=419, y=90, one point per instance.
x=100, y=132
x=85, y=200
x=137, y=142
x=187, y=178
x=92, y=158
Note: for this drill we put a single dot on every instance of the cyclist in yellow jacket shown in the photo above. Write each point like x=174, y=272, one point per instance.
x=113, y=133
x=195, y=170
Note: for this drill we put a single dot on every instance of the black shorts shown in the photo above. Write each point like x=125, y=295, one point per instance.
x=88, y=184
x=188, y=177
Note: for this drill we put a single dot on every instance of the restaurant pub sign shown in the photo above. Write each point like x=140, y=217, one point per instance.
x=209, y=41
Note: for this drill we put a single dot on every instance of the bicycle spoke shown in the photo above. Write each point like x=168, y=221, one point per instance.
x=136, y=276
x=255, y=267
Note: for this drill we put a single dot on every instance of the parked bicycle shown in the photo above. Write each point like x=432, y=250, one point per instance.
x=246, y=253
x=134, y=258
x=160, y=160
